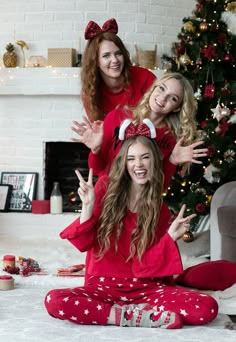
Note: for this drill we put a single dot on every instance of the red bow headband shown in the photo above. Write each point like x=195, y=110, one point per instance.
x=93, y=29
x=128, y=129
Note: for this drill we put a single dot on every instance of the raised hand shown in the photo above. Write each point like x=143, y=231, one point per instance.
x=91, y=133
x=86, y=189
x=180, y=225
x=182, y=154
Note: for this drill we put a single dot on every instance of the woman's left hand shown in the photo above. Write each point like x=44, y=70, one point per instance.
x=180, y=225
x=183, y=154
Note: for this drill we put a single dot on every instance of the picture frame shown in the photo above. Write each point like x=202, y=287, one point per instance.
x=5, y=196
x=24, y=185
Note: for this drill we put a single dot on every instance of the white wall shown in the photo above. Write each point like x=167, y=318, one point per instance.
x=27, y=121
x=44, y=24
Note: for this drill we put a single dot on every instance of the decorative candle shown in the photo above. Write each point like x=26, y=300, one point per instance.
x=6, y=282
x=9, y=260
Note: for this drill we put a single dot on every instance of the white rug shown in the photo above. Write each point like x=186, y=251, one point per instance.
x=23, y=317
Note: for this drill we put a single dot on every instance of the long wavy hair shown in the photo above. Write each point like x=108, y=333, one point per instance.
x=181, y=123
x=116, y=201
x=90, y=74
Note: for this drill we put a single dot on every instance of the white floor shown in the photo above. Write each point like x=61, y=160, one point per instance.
x=23, y=317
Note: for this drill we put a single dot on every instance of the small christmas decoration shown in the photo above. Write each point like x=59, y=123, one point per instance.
x=10, y=57
x=184, y=60
x=209, y=90
x=23, y=46
x=188, y=26
x=188, y=236
x=203, y=26
x=229, y=156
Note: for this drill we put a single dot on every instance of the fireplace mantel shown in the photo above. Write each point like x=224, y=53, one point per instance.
x=39, y=81
x=43, y=81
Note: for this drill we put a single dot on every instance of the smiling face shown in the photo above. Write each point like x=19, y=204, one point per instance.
x=166, y=97
x=139, y=163
x=110, y=60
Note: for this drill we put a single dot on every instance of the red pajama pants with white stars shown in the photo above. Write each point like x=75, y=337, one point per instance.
x=91, y=304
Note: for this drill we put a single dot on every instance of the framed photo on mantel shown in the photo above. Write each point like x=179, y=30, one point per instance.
x=24, y=185
x=5, y=196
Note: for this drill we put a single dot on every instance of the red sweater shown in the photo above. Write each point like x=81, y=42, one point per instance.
x=161, y=260
x=140, y=81
x=100, y=163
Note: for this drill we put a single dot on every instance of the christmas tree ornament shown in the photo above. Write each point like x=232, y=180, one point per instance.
x=221, y=38
x=228, y=58
x=203, y=26
x=188, y=236
x=225, y=91
x=229, y=156
x=189, y=27
x=231, y=7
x=210, y=170
x=225, y=111
x=209, y=52
x=184, y=59
x=198, y=94
x=209, y=90
x=217, y=112
x=223, y=127
x=200, y=208
x=198, y=61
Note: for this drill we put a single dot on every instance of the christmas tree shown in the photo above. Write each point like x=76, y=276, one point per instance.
x=206, y=54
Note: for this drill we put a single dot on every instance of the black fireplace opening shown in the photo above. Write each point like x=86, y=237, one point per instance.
x=61, y=160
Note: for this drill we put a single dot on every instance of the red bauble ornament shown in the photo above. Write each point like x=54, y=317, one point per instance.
x=228, y=58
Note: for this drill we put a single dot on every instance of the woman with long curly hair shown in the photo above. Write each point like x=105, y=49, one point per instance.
x=171, y=106
x=108, y=79
x=132, y=254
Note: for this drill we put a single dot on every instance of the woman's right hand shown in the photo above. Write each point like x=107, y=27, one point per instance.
x=86, y=189
x=87, y=195
x=91, y=133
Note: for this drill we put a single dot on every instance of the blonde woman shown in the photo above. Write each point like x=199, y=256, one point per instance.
x=171, y=106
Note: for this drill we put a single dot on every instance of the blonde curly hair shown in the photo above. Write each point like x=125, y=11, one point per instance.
x=181, y=123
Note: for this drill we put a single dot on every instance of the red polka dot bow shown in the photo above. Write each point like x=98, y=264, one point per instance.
x=93, y=29
x=128, y=129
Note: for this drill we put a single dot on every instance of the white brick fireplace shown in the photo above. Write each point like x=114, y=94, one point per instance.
x=36, y=105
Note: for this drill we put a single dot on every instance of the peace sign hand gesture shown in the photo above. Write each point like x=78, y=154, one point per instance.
x=86, y=194
x=180, y=225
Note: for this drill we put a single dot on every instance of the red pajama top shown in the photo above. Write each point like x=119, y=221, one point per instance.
x=140, y=81
x=161, y=260
x=101, y=162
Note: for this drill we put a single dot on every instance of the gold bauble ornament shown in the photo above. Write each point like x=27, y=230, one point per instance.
x=184, y=60
x=188, y=236
x=231, y=7
x=188, y=26
x=203, y=26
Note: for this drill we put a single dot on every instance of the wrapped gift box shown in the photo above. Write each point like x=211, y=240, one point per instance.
x=61, y=57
